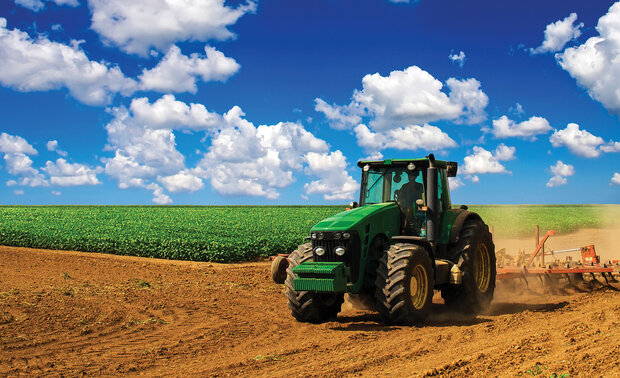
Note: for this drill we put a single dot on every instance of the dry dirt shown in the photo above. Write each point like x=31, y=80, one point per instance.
x=69, y=313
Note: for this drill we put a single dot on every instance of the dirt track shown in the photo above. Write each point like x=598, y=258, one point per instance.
x=70, y=313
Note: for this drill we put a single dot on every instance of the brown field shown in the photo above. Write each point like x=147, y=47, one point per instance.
x=69, y=313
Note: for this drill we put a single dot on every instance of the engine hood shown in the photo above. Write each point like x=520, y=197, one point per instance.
x=354, y=217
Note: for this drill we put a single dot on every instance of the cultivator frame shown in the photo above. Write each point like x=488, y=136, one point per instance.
x=589, y=266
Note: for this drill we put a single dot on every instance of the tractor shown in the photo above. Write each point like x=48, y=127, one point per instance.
x=402, y=241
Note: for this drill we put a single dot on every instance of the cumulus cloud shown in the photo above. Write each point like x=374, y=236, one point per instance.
x=242, y=159
x=38, y=5
x=42, y=65
x=137, y=26
x=579, y=142
x=483, y=161
x=247, y=160
x=458, y=58
x=517, y=109
x=178, y=73
x=16, y=150
x=334, y=182
x=408, y=97
x=504, y=127
x=56, y=192
x=410, y=137
x=340, y=117
x=615, y=179
x=52, y=145
x=455, y=183
x=62, y=173
x=181, y=182
x=18, y=192
x=169, y=113
x=560, y=171
x=558, y=34
x=593, y=64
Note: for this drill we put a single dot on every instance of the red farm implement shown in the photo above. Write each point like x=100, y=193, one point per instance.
x=588, y=268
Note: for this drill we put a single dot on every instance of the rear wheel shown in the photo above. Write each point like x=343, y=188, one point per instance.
x=404, y=284
x=475, y=254
x=308, y=306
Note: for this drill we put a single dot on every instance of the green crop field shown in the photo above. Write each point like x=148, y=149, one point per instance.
x=232, y=233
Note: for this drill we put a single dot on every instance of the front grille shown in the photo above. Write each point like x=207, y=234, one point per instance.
x=352, y=253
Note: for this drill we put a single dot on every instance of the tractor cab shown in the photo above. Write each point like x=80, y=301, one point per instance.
x=405, y=181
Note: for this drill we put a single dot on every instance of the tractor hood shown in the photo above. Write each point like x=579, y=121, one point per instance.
x=346, y=220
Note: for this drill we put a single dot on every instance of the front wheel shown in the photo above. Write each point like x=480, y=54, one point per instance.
x=404, y=284
x=309, y=306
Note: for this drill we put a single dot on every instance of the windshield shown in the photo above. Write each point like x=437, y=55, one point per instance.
x=392, y=184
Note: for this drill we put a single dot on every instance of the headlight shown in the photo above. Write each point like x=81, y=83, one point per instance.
x=346, y=235
x=313, y=235
x=320, y=251
x=339, y=251
x=319, y=235
x=337, y=235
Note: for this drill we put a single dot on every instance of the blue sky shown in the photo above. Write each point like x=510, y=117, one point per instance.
x=274, y=102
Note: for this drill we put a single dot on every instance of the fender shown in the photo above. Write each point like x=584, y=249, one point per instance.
x=458, y=224
x=418, y=241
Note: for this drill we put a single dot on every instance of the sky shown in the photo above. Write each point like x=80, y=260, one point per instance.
x=212, y=102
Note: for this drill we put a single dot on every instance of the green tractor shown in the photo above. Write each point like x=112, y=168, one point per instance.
x=399, y=244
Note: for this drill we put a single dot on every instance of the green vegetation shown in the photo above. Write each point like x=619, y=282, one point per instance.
x=233, y=233
x=520, y=220
x=202, y=233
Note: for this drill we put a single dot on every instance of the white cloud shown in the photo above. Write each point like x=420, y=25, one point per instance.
x=52, y=145
x=168, y=113
x=458, y=58
x=137, y=26
x=579, y=142
x=181, y=182
x=10, y=144
x=410, y=137
x=455, y=183
x=38, y=5
x=248, y=160
x=615, y=179
x=42, y=65
x=339, y=117
x=558, y=34
x=178, y=73
x=56, y=193
x=560, y=171
x=593, y=64
x=63, y=173
x=242, y=159
x=334, y=182
x=507, y=128
x=16, y=150
x=611, y=147
x=410, y=96
x=18, y=192
x=517, y=109
x=483, y=161
x=475, y=179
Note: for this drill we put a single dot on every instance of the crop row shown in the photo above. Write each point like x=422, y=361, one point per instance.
x=233, y=233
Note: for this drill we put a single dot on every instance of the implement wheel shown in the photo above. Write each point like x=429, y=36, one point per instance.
x=404, y=284
x=308, y=306
x=475, y=254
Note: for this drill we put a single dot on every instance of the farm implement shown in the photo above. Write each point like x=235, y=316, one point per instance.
x=533, y=266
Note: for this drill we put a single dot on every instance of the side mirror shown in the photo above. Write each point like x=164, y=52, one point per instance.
x=451, y=168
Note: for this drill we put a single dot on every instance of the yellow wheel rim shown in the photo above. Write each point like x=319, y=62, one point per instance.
x=482, y=268
x=418, y=287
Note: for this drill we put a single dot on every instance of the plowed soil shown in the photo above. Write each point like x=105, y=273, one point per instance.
x=71, y=313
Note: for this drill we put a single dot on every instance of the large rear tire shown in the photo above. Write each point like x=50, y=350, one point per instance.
x=475, y=254
x=404, y=284
x=308, y=306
